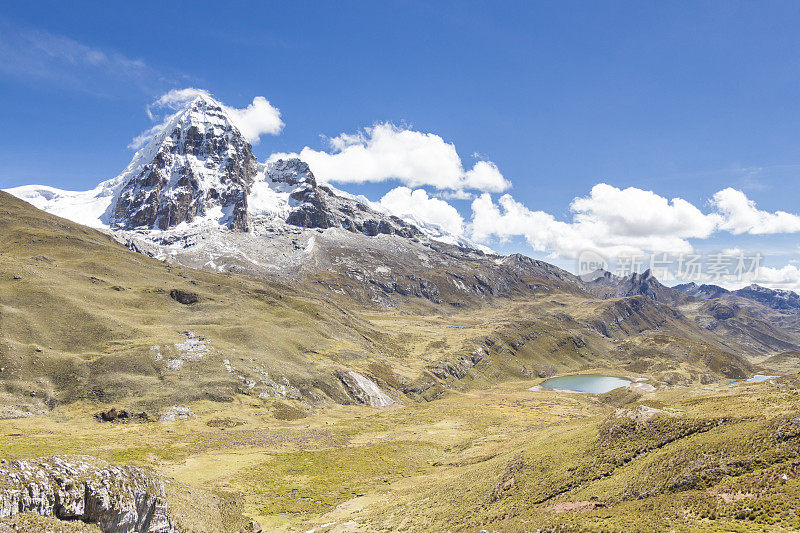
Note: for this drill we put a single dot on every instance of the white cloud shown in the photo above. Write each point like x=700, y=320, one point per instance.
x=610, y=221
x=418, y=206
x=739, y=215
x=33, y=54
x=257, y=119
x=177, y=98
x=510, y=218
x=387, y=152
x=638, y=213
x=613, y=221
x=787, y=277
x=485, y=176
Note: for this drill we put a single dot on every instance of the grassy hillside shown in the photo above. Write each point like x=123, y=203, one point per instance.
x=720, y=457
x=83, y=318
x=275, y=433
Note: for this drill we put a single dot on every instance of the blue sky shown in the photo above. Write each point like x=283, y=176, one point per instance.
x=684, y=99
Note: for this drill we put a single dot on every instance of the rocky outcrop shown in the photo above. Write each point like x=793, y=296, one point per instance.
x=459, y=366
x=363, y=390
x=113, y=415
x=607, y=285
x=118, y=499
x=175, y=413
x=199, y=163
x=184, y=297
x=409, y=286
x=778, y=299
x=318, y=206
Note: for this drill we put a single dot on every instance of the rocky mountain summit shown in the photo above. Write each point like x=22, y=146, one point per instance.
x=705, y=291
x=195, y=195
x=607, y=285
x=198, y=165
x=319, y=206
x=783, y=301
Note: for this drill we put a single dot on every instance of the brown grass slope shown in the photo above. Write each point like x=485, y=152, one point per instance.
x=82, y=317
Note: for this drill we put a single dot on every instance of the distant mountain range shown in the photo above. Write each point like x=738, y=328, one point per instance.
x=784, y=301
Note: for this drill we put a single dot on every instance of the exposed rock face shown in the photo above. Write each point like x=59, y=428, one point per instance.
x=175, y=413
x=363, y=390
x=724, y=310
x=641, y=414
x=704, y=291
x=411, y=285
x=607, y=285
x=119, y=499
x=199, y=164
x=184, y=297
x=781, y=300
x=458, y=367
x=112, y=415
x=318, y=206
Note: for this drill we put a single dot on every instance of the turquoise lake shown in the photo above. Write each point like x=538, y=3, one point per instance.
x=586, y=383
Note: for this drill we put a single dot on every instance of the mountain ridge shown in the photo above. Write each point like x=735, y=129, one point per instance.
x=200, y=170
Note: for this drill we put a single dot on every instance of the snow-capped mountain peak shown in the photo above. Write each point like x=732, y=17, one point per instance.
x=195, y=165
x=199, y=165
x=195, y=192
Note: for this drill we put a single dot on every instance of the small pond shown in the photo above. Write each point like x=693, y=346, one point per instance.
x=758, y=378
x=586, y=383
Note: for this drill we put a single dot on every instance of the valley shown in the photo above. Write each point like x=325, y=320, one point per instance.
x=709, y=457
x=235, y=337
x=464, y=445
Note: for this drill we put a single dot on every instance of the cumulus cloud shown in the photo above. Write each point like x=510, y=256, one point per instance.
x=613, y=221
x=609, y=220
x=739, y=215
x=786, y=277
x=388, y=152
x=634, y=213
x=485, y=176
x=509, y=218
x=417, y=206
x=257, y=119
